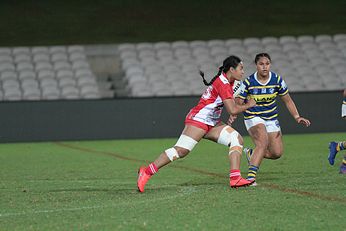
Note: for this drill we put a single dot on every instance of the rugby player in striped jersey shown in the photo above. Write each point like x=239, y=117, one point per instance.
x=262, y=121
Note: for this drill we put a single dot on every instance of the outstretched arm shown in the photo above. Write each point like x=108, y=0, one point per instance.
x=234, y=108
x=293, y=110
x=233, y=117
x=239, y=101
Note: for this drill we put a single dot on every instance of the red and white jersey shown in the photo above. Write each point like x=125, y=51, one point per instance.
x=209, y=107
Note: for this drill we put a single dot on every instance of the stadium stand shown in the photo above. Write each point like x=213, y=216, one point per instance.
x=307, y=63
x=164, y=69
x=46, y=73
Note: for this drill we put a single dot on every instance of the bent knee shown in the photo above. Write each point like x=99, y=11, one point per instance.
x=184, y=145
x=275, y=155
x=230, y=137
x=182, y=152
x=176, y=153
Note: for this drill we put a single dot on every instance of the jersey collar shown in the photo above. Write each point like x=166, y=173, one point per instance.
x=263, y=84
x=224, y=78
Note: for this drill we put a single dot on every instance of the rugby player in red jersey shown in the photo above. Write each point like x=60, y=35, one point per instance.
x=203, y=121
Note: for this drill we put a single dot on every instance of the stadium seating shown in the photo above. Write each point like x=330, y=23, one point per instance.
x=307, y=63
x=46, y=73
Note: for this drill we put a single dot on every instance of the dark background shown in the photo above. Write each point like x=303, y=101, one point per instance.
x=56, y=22
x=143, y=118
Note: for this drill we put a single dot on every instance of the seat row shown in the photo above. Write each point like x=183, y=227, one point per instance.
x=56, y=72
x=295, y=58
x=49, y=93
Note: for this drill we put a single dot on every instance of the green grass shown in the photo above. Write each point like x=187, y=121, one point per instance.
x=91, y=185
x=41, y=22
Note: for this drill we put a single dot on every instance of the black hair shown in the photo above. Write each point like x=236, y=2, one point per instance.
x=231, y=61
x=260, y=55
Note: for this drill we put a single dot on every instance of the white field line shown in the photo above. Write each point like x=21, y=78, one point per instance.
x=182, y=193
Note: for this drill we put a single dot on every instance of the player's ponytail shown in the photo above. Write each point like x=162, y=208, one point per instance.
x=201, y=73
x=231, y=61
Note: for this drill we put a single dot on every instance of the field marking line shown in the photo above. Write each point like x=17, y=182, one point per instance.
x=112, y=154
x=265, y=185
x=304, y=193
x=98, y=152
x=151, y=200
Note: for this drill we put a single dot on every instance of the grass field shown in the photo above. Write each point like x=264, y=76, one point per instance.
x=91, y=185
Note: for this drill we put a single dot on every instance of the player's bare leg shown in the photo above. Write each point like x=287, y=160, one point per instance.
x=228, y=136
x=260, y=138
x=275, y=146
x=190, y=136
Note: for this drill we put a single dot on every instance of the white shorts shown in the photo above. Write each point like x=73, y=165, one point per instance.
x=271, y=125
x=343, y=110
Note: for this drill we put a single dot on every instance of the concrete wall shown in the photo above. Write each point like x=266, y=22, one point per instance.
x=142, y=118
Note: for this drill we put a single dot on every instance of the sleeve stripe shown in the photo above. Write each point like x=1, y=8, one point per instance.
x=239, y=96
x=284, y=93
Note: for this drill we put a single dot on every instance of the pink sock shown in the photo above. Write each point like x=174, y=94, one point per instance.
x=234, y=174
x=151, y=169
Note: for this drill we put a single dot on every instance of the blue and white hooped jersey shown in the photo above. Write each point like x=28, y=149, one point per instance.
x=264, y=94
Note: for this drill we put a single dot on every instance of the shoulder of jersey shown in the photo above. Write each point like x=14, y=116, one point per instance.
x=274, y=75
x=249, y=78
x=223, y=79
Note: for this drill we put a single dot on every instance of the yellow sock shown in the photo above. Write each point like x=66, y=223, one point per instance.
x=338, y=147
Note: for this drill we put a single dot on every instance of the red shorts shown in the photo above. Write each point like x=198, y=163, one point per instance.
x=198, y=124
